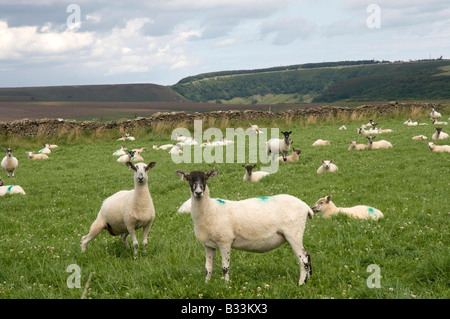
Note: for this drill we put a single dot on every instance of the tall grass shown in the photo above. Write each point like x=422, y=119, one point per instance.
x=41, y=231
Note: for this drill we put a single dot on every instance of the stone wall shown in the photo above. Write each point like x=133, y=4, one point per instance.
x=49, y=127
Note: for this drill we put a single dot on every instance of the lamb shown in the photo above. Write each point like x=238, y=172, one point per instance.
x=419, y=137
x=434, y=114
x=162, y=147
x=294, y=157
x=10, y=189
x=126, y=211
x=9, y=162
x=436, y=122
x=176, y=149
x=253, y=176
x=377, y=145
x=343, y=127
x=438, y=148
x=320, y=142
x=355, y=146
x=126, y=158
x=51, y=146
x=255, y=128
x=277, y=145
x=121, y=151
x=137, y=157
x=255, y=224
x=328, y=209
x=33, y=156
x=45, y=150
x=380, y=130
x=140, y=150
x=327, y=166
x=439, y=135
x=370, y=131
x=125, y=137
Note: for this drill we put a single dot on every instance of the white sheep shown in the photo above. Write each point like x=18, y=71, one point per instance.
x=438, y=148
x=355, y=146
x=439, y=135
x=255, y=128
x=379, y=130
x=33, y=156
x=253, y=176
x=125, y=137
x=137, y=157
x=277, y=145
x=51, y=146
x=140, y=150
x=436, y=122
x=367, y=132
x=377, y=145
x=343, y=127
x=254, y=224
x=419, y=137
x=45, y=150
x=320, y=142
x=328, y=209
x=126, y=158
x=294, y=157
x=434, y=114
x=9, y=162
x=176, y=149
x=10, y=189
x=162, y=147
x=327, y=166
x=121, y=151
x=126, y=211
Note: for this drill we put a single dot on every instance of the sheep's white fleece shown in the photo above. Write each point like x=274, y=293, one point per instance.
x=11, y=189
x=328, y=209
x=438, y=148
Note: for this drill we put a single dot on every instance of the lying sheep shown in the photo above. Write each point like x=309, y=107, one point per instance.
x=122, y=151
x=33, y=156
x=377, y=145
x=343, y=127
x=435, y=114
x=125, y=137
x=137, y=157
x=126, y=211
x=438, y=148
x=253, y=176
x=176, y=149
x=255, y=128
x=10, y=189
x=419, y=137
x=327, y=166
x=328, y=209
x=439, y=135
x=45, y=150
x=9, y=162
x=255, y=224
x=276, y=146
x=320, y=142
x=355, y=146
x=436, y=122
x=365, y=132
x=294, y=157
x=162, y=147
x=126, y=158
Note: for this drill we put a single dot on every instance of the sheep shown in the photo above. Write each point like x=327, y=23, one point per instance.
x=51, y=146
x=355, y=146
x=328, y=209
x=439, y=135
x=162, y=147
x=121, y=151
x=33, y=156
x=435, y=122
x=434, y=114
x=438, y=148
x=255, y=128
x=253, y=176
x=45, y=150
x=327, y=166
x=320, y=142
x=137, y=157
x=126, y=211
x=365, y=132
x=125, y=137
x=10, y=189
x=377, y=145
x=9, y=162
x=294, y=157
x=140, y=150
x=277, y=145
x=367, y=124
x=255, y=224
x=126, y=158
x=343, y=127
x=176, y=149
x=379, y=130
x=419, y=137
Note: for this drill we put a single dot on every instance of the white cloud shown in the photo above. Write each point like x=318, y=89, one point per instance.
x=226, y=42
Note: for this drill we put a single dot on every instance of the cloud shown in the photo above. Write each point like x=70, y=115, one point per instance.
x=288, y=29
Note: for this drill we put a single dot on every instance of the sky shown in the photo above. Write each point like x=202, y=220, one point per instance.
x=84, y=42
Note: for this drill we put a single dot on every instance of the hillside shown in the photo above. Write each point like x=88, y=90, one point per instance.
x=322, y=82
x=93, y=93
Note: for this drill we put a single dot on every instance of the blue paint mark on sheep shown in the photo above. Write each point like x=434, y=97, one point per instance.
x=221, y=201
x=371, y=210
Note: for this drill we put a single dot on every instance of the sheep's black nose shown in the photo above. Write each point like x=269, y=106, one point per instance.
x=198, y=193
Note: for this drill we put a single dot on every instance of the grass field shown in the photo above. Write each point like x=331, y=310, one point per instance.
x=41, y=231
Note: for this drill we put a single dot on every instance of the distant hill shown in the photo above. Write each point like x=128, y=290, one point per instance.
x=93, y=93
x=322, y=82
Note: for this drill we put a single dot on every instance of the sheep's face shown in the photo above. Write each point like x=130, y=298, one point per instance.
x=326, y=164
x=197, y=181
x=249, y=168
x=286, y=135
x=297, y=151
x=370, y=139
x=317, y=207
x=8, y=151
x=140, y=171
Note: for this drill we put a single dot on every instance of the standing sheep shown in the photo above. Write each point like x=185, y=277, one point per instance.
x=328, y=209
x=126, y=211
x=255, y=224
x=277, y=145
x=9, y=162
x=327, y=166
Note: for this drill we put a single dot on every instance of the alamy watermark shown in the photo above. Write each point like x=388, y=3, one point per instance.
x=373, y=21
x=74, y=19
x=374, y=280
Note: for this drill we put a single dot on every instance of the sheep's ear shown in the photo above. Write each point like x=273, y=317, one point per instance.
x=212, y=173
x=328, y=198
x=182, y=174
x=331, y=161
x=1, y=182
x=243, y=166
x=130, y=165
x=253, y=166
x=290, y=132
x=322, y=161
x=150, y=165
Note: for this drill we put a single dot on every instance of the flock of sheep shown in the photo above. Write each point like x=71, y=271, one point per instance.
x=255, y=224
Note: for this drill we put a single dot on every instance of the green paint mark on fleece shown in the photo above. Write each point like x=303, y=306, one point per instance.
x=370, y=209
x=9, y=188
x=220, y=200
x=264, y=197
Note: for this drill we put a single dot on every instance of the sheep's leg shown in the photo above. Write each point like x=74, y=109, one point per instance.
x=124, y=240
x=210, y=252
x=96, y=228
x=225, y=252
x=145, y=234
x=303, y=257
x=132, y=233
